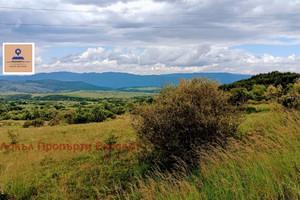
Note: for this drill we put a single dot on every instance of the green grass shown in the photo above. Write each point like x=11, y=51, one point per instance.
x=263, y=164
x=3, y=94
x=90, y=94
x=63, y=174
x=141, y=89
x=99, y=94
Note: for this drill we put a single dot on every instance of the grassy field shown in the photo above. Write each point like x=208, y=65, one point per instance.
x=263, y=164
x=87, y=94
x=100, y=94
x=66, y=174
x=3, y=94
x=141, y=89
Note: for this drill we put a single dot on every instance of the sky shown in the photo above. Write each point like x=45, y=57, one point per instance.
x=156, y=36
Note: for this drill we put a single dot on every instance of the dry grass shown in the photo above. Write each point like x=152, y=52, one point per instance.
x=20, y=170
x=99, y=94
x=264, y=165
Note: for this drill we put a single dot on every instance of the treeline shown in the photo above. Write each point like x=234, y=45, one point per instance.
x=275, y=86
x=273, y=78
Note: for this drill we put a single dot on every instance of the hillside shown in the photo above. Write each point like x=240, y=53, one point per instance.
x=273, y=78
x=122, y=80
x=46, y=86
x=264, y=165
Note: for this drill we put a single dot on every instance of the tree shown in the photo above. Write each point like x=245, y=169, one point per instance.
x=99, y=114
x=292, y=98
x=239, y=95
x=297, y=86
x=259, y=91
x=273, y=92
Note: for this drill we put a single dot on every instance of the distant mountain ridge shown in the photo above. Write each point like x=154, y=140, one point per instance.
x=122, y=80
x=46, y=86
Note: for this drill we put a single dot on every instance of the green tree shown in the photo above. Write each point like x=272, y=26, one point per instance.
x=259, y=91
x=273, y=92
x=99, y=114
x=239, y=95
x=292, y=98
x=297, y=86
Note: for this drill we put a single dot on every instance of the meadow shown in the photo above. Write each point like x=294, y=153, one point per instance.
x=38, y=174
x=99, y=94
x=262, y=165
x=139, y=92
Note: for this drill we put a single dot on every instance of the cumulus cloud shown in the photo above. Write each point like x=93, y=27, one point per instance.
x=176, y=36
x=165, y=60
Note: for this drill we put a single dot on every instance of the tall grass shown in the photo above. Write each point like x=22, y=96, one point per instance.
x=264, y=164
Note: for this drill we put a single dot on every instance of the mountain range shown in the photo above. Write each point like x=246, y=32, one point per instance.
x=68, y=81
x=46, y=86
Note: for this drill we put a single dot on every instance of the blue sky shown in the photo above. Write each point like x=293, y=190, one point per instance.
x=271, y=49
x=157, y=36
x=55, y=52
x=284, y=49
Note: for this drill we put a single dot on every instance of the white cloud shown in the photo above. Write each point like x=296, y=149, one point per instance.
x=178, y=35
x=164, y=60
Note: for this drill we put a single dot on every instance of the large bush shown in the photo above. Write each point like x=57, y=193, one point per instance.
x=183, y=118
x=240, y=95
x=292, y=98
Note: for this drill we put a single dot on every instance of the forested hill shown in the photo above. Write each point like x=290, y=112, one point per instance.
x=273, y=78
x=117, y=80
x=46, y=86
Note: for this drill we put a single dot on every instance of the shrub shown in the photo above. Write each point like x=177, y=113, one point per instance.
x=297, y=86
x=129, y=106
x=37, y=123
x=82, y=116
x=99, y=114
x=239, y=95
x=13, y=137
x=259, y=91
x=183, y=118
x=69, y=117
x=53, y=122
x=34, y=123
x=27, y=124
x=48, y=113
x=273, y=92
x=290, y=100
